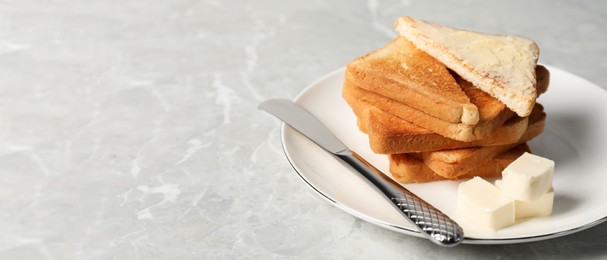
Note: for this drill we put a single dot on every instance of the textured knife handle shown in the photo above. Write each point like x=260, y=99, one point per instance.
x=434, y=224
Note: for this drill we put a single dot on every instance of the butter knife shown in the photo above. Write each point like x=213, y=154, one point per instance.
x=431, y=222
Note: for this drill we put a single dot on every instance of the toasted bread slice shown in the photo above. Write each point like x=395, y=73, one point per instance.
x=404, y=73
x=501, y=65
x=406, y=168
x=461, y=132
x=389, y=134
x=402, y=137
x=454, y=162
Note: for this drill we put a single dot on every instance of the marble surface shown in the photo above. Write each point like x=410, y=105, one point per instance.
x=129, y=129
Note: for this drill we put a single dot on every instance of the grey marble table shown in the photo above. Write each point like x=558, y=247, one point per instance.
x=129, y=129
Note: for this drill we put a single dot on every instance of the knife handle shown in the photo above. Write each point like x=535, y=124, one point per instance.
x=434, y=224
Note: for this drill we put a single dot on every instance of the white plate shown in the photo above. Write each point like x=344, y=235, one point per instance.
x=574, y=138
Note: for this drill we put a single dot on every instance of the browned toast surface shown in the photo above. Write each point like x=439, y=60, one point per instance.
x=389, y=134
x=451, y=163
x=404, y=73
x=457, y=131
x=407, y=168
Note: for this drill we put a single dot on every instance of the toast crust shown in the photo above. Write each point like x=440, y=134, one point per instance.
x=390, y=135
x=455, y=131
x=454, y=162
x=406, y=168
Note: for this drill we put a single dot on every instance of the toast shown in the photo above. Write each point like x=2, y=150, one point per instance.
x=404, y=73
x=454, y=162
x=389, y=134
x=501, y=65
x=462, y=132
x=406, y=168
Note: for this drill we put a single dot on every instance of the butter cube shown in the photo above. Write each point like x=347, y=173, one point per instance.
x=537, y=208
x=527, y=178
x=482, y=203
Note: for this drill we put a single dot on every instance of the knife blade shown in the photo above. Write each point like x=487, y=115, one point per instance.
x=431, y=222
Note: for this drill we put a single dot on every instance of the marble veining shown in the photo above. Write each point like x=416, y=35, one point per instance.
x=129, y=129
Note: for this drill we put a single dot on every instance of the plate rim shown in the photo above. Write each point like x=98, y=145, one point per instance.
x=410, y=231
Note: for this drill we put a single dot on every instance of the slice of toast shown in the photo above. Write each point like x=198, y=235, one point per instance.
x=454, y=162
x=458, y=131
x=401, y=137
x=501, y=65
x=405, y=168
x=389, y=134
x=404, y=73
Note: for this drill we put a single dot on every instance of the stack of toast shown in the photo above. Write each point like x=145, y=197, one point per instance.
x=446, y=104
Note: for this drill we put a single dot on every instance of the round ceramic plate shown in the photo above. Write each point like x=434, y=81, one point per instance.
x=574, y=138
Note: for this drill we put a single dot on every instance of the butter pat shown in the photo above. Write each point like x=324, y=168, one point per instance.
x=483, y=204
x=527, y=178
x=538, y=208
